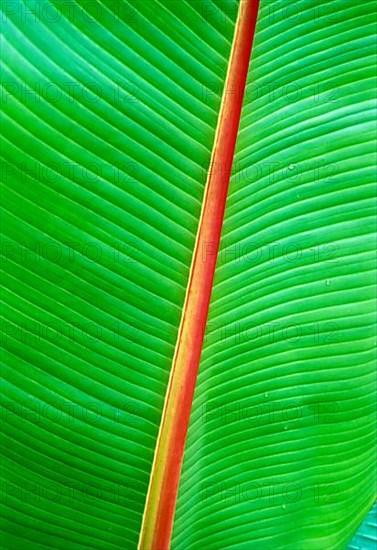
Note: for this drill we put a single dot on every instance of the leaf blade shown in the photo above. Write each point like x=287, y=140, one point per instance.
x=104, y=189
x=291, y=322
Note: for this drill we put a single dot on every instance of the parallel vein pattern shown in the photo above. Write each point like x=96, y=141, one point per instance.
x=280, y=450
x=110, y=110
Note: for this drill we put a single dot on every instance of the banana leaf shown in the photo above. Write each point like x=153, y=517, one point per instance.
x=110, y=116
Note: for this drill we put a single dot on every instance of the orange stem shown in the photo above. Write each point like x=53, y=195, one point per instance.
x=162, y=495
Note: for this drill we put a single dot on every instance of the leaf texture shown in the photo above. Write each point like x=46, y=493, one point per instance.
x=106, y=141
x=280, y=444
x=110, y=111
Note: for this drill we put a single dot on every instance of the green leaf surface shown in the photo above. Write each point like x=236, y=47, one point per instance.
x=109, y=117
x=106, y=136
x=280, y=444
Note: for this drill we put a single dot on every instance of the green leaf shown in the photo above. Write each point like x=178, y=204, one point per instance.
x=106, y=138
x=280, y=448
x=110, y=111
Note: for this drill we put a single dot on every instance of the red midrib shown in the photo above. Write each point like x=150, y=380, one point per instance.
x=162, y=495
